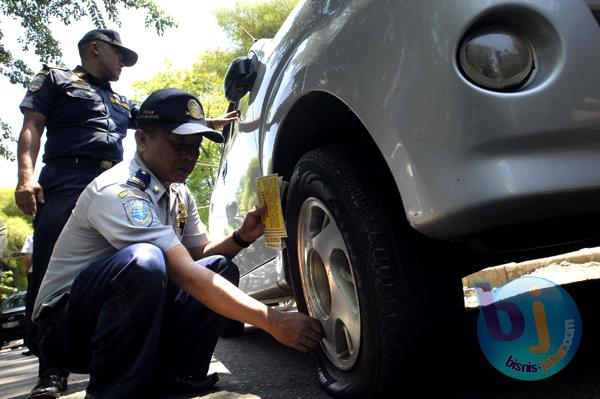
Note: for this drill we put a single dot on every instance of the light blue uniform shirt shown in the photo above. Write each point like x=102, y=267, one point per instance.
x=111, y=215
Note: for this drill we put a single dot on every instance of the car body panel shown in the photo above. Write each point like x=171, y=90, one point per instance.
x=451, y=146
x=464, y=159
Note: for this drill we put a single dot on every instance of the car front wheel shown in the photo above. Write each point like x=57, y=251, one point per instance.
x=372, y=294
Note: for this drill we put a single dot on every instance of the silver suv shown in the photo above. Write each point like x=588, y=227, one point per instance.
x=417, y=141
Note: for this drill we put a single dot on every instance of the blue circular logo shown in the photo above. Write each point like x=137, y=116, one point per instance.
x=140, y=213
x=529, y=328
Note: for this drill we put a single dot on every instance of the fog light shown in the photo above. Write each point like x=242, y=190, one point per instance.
x=496, y=59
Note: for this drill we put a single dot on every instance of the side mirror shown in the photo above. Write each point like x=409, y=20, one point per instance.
x=239, y=78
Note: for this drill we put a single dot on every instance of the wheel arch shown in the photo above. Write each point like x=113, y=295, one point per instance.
x=320, y=119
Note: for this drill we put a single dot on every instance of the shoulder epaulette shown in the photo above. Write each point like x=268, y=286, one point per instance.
x=46, y=67
x=140, y=180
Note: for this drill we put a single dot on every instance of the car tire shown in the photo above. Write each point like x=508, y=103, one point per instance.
x=233, y=328
x=370, y=285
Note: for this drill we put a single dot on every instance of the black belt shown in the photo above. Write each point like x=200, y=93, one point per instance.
x=86, y=162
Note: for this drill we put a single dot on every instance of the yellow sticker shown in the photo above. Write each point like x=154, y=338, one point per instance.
x=267, y=190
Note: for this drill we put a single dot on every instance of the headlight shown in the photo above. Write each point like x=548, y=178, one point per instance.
x=496, y=59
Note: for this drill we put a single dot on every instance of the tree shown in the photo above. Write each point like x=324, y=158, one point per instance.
x=19, y=227
x=35, y=17
x=205, y=79
x=261, y=20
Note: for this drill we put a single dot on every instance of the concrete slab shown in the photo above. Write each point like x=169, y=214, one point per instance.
x=499, y=275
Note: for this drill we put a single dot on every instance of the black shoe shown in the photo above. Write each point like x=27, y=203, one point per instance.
x=177, y=385
x=49, y=387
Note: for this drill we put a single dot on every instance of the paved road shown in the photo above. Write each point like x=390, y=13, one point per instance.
x=255, y=366
x=251, y=366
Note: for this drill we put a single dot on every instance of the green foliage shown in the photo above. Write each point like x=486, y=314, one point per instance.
x=205, y=79
x=19, y=227
x=8, y=207
x=7, y=285
x=202, y=180
x=35, y=17
x=261, y=20
x=246, y=191
x=6, y=137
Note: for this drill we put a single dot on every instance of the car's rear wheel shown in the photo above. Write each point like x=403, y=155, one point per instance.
x=373, y=295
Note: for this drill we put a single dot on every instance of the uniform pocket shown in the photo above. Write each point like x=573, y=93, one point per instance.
x=80, y=104
x=77, y=92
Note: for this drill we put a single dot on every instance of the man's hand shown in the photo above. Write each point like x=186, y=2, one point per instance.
x=223, y=120
x=27, y=194
x=296, y=330
x=251, y=229
x=293, y=329
x=252, y=226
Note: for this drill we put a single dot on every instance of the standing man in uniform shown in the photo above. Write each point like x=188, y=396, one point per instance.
x=135, y=290
x=85, y=122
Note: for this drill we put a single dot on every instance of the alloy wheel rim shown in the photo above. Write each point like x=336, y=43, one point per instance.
x=328, y=283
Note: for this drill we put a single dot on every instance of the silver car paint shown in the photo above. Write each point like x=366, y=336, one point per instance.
x=464, y=159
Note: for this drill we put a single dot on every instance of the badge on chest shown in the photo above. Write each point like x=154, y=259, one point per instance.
x=182, y=216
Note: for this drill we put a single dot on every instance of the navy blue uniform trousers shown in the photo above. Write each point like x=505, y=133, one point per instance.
x=126, y=325
x=62, y=187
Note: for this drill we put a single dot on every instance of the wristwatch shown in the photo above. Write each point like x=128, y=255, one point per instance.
x=239, y=241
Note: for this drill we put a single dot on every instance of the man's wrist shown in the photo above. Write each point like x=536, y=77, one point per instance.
x=273, y=320
x=240, y=241
x=23, y=178
x=23, y=182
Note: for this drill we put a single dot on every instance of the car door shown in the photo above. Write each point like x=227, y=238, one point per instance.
x=235, y=188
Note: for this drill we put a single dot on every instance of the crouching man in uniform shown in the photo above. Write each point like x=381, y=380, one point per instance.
x=135, y=293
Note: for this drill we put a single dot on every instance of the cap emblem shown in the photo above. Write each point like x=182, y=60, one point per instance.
x=194, y=109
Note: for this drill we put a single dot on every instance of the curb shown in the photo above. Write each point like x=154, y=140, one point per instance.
x=498, y=275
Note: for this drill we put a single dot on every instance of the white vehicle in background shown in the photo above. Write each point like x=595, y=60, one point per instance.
x=417, y=140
